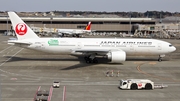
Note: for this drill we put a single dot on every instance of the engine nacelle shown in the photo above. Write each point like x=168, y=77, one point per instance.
x=117, y=56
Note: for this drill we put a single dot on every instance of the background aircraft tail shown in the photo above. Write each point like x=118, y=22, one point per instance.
x=88, y=27
x=22, y=30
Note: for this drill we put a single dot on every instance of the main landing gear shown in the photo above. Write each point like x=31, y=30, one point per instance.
x=160, y=57
x=90, y=59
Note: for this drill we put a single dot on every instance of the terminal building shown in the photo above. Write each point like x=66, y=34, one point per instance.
x=98, y=24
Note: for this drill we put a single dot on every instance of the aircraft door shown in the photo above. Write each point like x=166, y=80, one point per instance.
x=159, y=46
x=42, y=45
x=131, y=47
x=74, y=31
x=79, y=45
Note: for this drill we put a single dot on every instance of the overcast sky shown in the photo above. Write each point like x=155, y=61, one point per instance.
x=90, y=5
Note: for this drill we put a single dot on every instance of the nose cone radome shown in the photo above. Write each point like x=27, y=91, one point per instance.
x=173, y=49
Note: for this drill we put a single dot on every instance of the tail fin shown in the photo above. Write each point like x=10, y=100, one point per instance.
x=22, y=30
x=88, y=27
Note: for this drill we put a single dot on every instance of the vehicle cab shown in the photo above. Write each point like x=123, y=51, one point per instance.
x=123, y=84
x=56, y=84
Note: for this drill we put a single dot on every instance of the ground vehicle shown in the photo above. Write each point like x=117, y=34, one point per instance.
x=56, y=84
x=41, y=98
x=134, y=84
x=42, y=95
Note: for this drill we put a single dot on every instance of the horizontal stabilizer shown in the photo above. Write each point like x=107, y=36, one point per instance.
x=18, y=42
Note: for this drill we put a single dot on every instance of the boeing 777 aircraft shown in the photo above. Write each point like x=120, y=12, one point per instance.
x=75, y=32
x=115, y=49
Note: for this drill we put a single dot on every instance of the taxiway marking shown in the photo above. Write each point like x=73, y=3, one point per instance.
x=154, y=76
x=10, y=58
x=5, y=49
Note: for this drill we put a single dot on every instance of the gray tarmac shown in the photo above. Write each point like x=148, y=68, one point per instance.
x=22, y=71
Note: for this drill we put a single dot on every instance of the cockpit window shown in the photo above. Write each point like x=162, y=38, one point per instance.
x=170, y=45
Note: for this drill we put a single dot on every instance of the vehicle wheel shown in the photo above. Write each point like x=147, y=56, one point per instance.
x=148, y=86
x=134, y=86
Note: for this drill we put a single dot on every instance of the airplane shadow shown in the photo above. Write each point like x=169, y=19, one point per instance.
x=81, y=65
x=80, y=59
x=84, y=64
x=14, y=59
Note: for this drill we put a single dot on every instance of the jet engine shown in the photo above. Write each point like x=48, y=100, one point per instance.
x=116, y=56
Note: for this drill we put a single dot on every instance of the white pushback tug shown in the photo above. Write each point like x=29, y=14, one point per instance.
x=134, y=84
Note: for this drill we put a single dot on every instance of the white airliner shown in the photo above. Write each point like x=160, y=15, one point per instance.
x=75, y=32
x=114, y=49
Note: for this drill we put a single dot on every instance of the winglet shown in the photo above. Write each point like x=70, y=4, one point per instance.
x=22, y=30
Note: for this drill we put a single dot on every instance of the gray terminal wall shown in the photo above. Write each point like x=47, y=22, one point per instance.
x=99, y=26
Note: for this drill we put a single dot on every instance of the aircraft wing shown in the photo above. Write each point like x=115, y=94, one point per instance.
x=96, y=51
x=92, y=50
x=67, y=33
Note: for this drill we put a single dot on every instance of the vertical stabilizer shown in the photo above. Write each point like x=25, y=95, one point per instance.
x=88, y=27
x=22, y=30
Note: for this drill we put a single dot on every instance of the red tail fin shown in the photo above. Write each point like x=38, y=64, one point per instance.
x=88, y=27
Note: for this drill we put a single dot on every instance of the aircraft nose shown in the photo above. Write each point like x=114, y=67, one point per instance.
x=174, y=48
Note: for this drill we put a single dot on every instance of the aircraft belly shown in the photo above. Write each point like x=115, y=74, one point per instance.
x=59, y=50
x=52, y=49
x=142, y=51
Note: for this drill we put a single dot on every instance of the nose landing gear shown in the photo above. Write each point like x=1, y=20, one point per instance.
x=160, y=57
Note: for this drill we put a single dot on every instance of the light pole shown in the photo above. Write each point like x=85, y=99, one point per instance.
x=7, y=25
x=130, y=22
x=51, y=24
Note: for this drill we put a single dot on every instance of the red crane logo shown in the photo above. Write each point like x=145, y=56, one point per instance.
x=21, y=29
